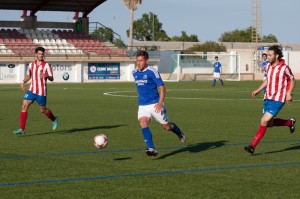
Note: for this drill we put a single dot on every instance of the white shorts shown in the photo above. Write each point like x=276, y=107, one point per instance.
x=216, y=75
x=149, y=111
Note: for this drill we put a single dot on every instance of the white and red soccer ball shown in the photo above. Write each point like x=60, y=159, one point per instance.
x=100, y=141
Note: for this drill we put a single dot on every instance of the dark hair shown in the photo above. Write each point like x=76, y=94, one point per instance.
x=39, y=49
x=142, y=53
x=264, y=54
x=277, y=51
x=216, y=57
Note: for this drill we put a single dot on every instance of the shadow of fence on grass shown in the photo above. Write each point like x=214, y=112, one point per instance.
x=195, y=148
x=77, y=130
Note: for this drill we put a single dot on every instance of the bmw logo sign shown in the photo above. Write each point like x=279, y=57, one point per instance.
x=66, y=76
x=11, y=65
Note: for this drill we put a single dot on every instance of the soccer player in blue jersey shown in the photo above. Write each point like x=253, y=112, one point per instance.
x=217, y=70
x=151, y=102
x=264, y=64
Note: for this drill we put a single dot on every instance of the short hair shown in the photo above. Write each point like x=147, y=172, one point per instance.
x=142, y=53
x=264, y=54
x=217, y=57
x=39, y=49
x=277, y=51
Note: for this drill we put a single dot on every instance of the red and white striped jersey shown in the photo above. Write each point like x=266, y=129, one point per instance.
x=278, y=78
x=39, y=85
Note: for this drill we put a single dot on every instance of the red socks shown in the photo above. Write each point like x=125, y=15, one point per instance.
x=259, y=135
x=23, y=118
x=49, y=114
x=281, y=122
x=24, y=115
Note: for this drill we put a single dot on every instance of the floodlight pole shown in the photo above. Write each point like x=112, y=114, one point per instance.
x=256, y=29
x=153, y=27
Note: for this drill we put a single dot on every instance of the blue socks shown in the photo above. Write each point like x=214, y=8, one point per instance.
x=148, y=137
x=215, y=81
x=176, y=130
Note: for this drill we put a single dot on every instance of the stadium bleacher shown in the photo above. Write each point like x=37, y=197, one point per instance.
x=20, y=38
x=56, y=42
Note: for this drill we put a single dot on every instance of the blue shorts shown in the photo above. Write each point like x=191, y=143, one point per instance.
x=41, y=100
x=272, y=107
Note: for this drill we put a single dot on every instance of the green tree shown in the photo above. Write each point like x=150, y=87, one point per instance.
x=104, y=34
x=146, y=27
x=119, y=43
x=269, y=39
x=185, y=37
x=208, y=46
x=245, y=36
x=237, y=36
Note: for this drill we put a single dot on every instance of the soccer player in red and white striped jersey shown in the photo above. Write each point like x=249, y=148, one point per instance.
x=279, y=85
x=38, y=72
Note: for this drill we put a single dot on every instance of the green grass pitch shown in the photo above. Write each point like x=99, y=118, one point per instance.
x=218, y=123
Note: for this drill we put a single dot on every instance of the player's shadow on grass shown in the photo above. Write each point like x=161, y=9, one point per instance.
x=282, y=150
x=78, y=130
x=125, y=158
x=195, y=148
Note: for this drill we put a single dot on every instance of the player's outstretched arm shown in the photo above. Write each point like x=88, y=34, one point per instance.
x=260, y=88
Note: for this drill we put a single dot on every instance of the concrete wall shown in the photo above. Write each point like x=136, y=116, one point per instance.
x=229, y=45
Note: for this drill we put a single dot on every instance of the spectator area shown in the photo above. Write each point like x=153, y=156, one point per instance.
x=22, y=42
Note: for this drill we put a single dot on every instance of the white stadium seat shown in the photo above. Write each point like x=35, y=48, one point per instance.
x=62, y=52
x=41, y=41
x=36, y=41
x=47, y=42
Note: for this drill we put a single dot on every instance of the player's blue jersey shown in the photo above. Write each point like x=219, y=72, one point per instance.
x=147, y=82
x=217, y=66
x=264, y=67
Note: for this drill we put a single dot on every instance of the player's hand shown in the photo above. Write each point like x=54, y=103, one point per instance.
x=23, y=86
x=254, y=93
x=158, y=107
x=289, y=98
x=44, y=75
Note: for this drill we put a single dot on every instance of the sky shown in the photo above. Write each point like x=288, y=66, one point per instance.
x=206, y=19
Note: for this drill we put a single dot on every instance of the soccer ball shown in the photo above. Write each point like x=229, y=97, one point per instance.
x=100, y=141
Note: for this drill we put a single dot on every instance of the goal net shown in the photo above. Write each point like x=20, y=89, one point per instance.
x=194, y=67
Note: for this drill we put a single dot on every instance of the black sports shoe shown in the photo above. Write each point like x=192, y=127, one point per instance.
x=181, y=137
x=292, y=127
x=249, y=149
x=151, y=152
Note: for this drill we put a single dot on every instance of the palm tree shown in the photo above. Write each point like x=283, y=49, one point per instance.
x=131, y=5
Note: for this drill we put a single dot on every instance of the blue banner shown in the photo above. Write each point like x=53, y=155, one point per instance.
x=103, y=71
